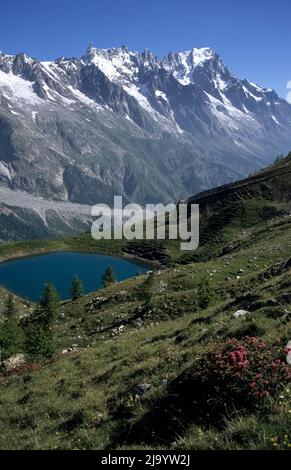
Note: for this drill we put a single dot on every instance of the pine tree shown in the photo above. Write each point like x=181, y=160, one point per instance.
x=146, y=291
x=205, y=294
x=49, y=304
x=108, y=277
x=39, y=341
x=76, y=288
x=11, y=337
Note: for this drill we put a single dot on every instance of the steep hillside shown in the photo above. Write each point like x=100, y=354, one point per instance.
x=204, y=367
x=242, y=204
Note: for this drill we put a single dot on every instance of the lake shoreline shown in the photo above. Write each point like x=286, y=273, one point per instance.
x=26, y=276
x=124, y=256
x=83, y=244
x=62, y=246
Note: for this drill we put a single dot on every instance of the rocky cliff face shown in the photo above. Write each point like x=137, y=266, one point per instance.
x=122, y=122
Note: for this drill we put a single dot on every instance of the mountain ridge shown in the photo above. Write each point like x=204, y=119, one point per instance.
x=128, y=123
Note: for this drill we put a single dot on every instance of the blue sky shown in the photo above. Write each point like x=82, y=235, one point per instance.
x=253, y=37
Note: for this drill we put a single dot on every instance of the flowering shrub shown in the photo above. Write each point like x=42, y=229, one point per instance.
x=250, y=368
x=236, y=375
x=243, y=374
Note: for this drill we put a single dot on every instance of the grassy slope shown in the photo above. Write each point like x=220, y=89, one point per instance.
x=86, y=399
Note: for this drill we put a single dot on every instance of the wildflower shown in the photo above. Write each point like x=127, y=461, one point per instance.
x=245, y=364
x=233, y=357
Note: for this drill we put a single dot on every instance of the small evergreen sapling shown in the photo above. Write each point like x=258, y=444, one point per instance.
x=146, y=291
x=76, y=288
x=205, y=294
x=108, y=277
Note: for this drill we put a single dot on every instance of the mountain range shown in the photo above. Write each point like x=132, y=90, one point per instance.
x=118, y=122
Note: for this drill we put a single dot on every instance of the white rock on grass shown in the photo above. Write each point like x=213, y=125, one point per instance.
x=14, y=362
x=240, y=313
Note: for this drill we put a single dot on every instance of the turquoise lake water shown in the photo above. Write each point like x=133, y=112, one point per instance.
x=28, y=276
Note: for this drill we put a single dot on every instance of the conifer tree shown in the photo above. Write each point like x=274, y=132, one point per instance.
x=205, y=294
x=11, y=337
x=146, y=291
x=108, y=277
x=76, y=288
x=39, y=340
x=49, y=304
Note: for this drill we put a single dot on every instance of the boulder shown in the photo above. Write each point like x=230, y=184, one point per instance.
x=240, y=313
x=14, y=362
x=73, y=348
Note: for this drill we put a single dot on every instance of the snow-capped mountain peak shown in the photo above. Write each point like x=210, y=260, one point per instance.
x=122, y=64
x=118, y=64
x=122, y=118
x=183, y=64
